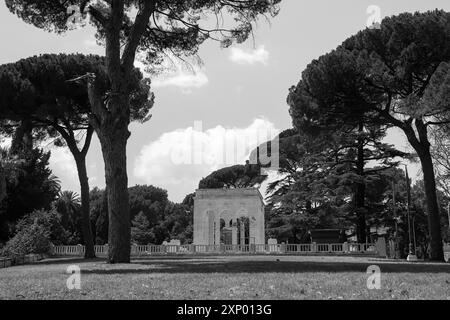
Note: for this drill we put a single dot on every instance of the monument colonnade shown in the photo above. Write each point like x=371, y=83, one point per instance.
x=218, y=212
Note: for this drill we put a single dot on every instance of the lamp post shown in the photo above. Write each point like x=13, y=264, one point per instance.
x=448, y=212
x=396, y=253
x=414, y=233
x=411, y=254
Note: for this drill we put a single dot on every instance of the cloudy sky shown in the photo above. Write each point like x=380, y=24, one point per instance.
x=234, y=94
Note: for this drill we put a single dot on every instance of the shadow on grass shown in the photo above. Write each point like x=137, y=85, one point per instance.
x=65, y=260
x=193, y=266
x=75, y=260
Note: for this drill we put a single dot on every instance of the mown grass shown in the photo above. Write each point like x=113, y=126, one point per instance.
x=227, y=277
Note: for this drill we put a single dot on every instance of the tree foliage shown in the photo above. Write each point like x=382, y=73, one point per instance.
x=34, y=234
x=159, y=28
x=393, y=76
x=46, y=99
x=68, y=206
x=30, y=185
x=42, y=89
x=237, y=176
x=140, y=230
x=172, y=26
x=154, y=218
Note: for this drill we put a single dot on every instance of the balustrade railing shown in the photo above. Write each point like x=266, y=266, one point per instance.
x=142, y=250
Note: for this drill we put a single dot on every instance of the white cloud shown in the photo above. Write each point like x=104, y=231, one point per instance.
x=91, y=43
x=177, y=74
x=182, y=79
x=64, y=167
x=258, y=55
x=177, y=160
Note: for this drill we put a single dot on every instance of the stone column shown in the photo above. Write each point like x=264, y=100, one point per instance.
x=217, y=231
x=251, y=231
x=242, y=230
x=234, y=240
x=262, y=227
x=210, y=229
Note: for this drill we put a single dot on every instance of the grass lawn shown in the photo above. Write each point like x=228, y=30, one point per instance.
x=228, y=277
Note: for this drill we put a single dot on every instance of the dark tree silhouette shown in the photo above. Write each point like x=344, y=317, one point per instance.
x=328, y=102
x=237, y=176
x=399, y=73
x=159, y=27
x=40, y=94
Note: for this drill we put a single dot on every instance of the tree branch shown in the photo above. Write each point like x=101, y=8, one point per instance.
x=87, y=141
x=139, y=27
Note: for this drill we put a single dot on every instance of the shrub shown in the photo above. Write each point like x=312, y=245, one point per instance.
x=35, y=239
x=34, y=234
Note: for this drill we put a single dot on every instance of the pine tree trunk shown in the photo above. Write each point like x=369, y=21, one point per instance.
x=114, y=141
x=110, y=122
x=422, y=146
x=434, y=221
x=85, y=207
x=360, y=194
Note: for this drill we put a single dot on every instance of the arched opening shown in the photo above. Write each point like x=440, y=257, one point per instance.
x=225, y=232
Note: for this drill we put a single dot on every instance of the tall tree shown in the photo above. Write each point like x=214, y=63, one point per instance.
x=406, y=61
x=174, y=26
x=399, y=74
x=327, y=103
x=40, y=95
x=440, y=150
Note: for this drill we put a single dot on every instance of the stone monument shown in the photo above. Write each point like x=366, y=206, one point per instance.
x=228, y=216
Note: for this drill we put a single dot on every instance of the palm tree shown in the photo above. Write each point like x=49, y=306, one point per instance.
x=54, y=185
x=68, y=205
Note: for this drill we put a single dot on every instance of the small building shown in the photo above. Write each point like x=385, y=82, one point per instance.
x=228, y=216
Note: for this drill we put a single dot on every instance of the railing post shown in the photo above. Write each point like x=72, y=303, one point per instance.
x=105, y=249
x=52, y=249
x=80, y=249
x=283, y=247
x=345, y=247
x=380, y=245
x=313, y=247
